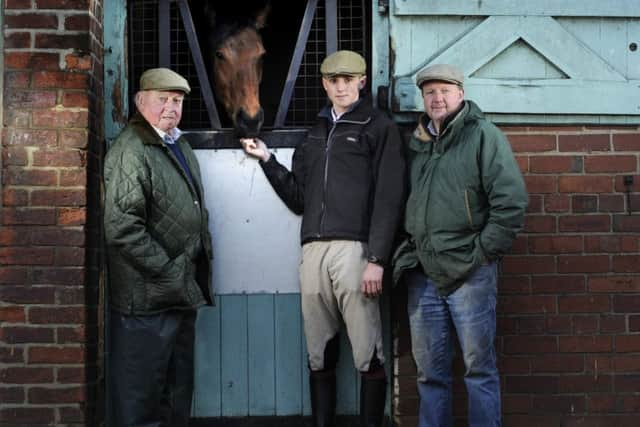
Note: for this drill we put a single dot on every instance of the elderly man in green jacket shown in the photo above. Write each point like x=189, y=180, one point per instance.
x=159, y=258
x=467, y=202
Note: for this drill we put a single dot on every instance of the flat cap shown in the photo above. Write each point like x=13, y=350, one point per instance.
x=343, y=62
x=163, y=79
x=441, y=72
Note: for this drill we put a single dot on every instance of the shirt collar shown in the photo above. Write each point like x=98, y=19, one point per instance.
x=174, y=134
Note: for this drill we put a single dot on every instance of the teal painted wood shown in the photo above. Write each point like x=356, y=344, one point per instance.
x=510, y=7
x=261, y=354
x=251, y=359
x=234, y=361
x=521, y=64
x=289, y=355
x=207, y=398
x=115, y=76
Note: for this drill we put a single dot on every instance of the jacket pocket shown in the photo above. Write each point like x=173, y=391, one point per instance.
x=169, y=288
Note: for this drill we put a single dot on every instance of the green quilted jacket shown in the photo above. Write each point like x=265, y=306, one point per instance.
x=156, y=226
x=467, y=199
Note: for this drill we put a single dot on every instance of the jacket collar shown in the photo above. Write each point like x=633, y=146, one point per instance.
x=150, y=135
x=422, y=134
x=360, y=111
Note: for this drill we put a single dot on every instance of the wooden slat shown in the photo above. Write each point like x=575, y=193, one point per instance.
x=510, y=7
x=235, y=382
x=207, y=400
x=262, y=387
x=116, y=102
x=288, y=354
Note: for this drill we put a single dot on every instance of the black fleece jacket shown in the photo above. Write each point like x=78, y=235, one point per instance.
x=347, y=179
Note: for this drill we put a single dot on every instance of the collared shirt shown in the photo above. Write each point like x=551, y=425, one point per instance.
x=170, y=140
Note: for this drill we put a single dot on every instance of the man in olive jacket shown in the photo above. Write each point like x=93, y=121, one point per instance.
x=159, y=258
x=466, y=204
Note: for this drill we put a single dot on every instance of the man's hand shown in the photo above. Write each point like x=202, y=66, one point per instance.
x=372, y=280
x=256, y=148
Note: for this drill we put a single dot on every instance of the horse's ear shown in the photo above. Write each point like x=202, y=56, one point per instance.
x=261, y=16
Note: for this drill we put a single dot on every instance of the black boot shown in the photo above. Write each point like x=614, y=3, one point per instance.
x=323, y=397
x=373, y=394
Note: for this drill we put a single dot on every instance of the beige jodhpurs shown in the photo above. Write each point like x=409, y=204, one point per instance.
x=330, y=285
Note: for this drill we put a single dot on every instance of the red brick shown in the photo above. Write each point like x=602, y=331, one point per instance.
x=626, y=142
x=58, y=355
x=58, y=198
x=71, y=375
x=20, y=416
x=627, y=363
x=71, y=276
x=14, y=156
x=17, y=79
x=530, y=384
x=15, y=198
x=57, y=314
x=514, y=285
x=32, y=138
x=557, y=203
x=17, y=118
x=528, y=264
x=71, y=216
x=12, y=314
x=71, y=295
x=17, y=41
x=40, y=216
x=30, y=98
x=13, y=275
x=634, y=323
x=559, y=404
x=537, y=184
x=627, y=343
x=617, y=284
x=13, y=354
x=523, y=163
x=539, y=224
x=26, y=256
x=585, y=324
x=73, y=177
x=612, y=324
x=73, y=415
x=584, y=203
x=532, y=325
x=527, y=304
x=585, y=184
x=626, y=303
x=584, y=383
x=61, y=119
x=585, y=223
x=602, y=243
x=629, y=403
x=75, y=335
x=506, y=325
x=530, y=344
x=79, y=22
x=585, y=344
x=79, y=62
x=555, y=244
x=35, y=177
x=583, y=264
x=584, y=304
x=74, y=138
x=12, y=395
x=60, y=79
x=531, y=420
x=41, y=395
x=513, y=404
x=558, y=363
x=532, y=143
x=601, y=403
x=58, y=237
x=626, y=263
x=26, y=335
x=627, y=383
x=75, y=100
x=622, y=188
x=17, y=4
x=559, y=324
x=535, y=203
x=555, y=164
x=70, y=256
x=24, y=375
x=31, y=61
x=60, y=158
x=510, y=365
x=611, y=203
x=626, y=223
x=613, y=164
x=63, y=4
x=31, y=20
x=584, y=143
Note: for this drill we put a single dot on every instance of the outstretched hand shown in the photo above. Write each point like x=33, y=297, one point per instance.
x=256, y=147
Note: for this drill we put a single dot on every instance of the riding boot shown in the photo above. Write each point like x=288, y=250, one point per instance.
x=373, y=393
x=323, y=397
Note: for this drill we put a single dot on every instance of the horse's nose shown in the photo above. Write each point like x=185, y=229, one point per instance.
x=249, y=127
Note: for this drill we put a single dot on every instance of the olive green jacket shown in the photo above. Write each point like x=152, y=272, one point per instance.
x=467, y=199
x=156, y=226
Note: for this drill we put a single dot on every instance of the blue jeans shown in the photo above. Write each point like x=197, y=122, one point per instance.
x=470, y=312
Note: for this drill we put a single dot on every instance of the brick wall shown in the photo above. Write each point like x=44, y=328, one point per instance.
x=569, y=294
x=49, y=258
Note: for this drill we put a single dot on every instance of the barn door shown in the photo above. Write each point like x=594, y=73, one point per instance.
x=534, y=61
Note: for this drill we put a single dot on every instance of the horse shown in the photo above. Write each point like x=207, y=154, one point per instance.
x=235, y=51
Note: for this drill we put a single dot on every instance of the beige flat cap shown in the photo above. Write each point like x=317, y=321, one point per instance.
x=163, y=79
x=441, y=72
x=343, y=62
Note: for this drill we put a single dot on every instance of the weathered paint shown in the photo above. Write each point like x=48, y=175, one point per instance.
x=115, y=76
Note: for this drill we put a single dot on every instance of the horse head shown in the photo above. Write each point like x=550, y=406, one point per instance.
x=237, y=52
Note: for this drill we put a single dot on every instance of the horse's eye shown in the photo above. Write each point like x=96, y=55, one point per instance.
x=219, y=55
